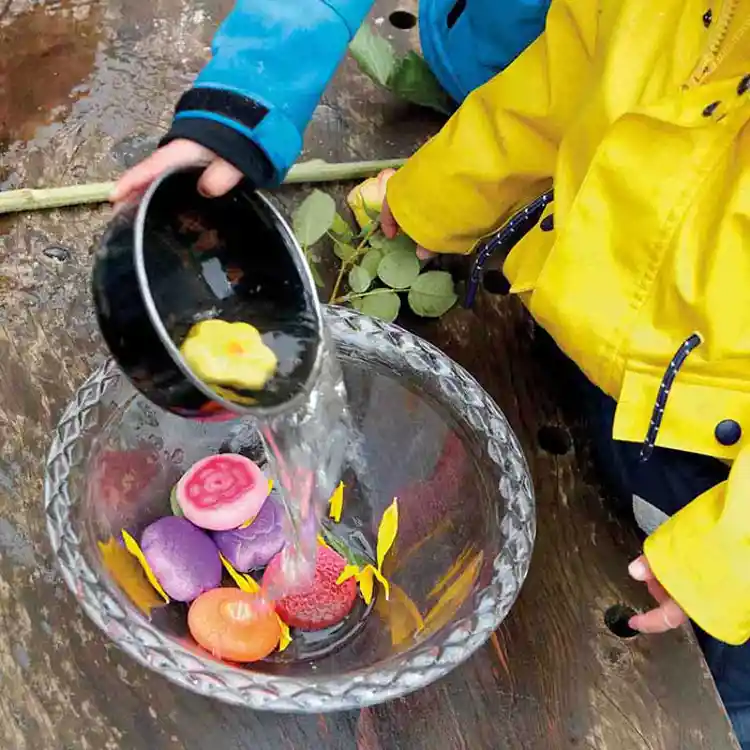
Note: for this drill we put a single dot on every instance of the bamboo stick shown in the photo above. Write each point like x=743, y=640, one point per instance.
x=26, y=199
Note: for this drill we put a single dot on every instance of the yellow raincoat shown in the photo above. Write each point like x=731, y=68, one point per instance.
x=639, y=113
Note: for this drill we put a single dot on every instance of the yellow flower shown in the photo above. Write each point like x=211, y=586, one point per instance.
x=336, y=503
x=248, y=584
x=229, y=354
x=366, y=200
x=367, y=575
x=132, y=546
x=128, y=573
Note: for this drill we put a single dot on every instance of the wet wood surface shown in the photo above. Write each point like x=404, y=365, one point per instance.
x=86, y=87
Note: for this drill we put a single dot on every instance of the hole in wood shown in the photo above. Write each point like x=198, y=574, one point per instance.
x=495, y=283
x=554, y=440
x=402, y=19
x=616, y=619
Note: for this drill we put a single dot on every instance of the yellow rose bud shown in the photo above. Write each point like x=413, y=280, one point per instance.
x=366, y=200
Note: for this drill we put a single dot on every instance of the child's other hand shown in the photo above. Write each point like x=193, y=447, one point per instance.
x=668, y=615
x=391, y=229
x=219, y=178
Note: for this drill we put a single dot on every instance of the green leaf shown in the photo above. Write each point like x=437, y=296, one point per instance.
x=412, y=79
x=374, y=55
x=343, y=250
x=384, y=306
x=341, y=228
x=314, y=217
x=359, y=279
x=174, y=503
x=432, y=294
x=317, y=278
x=371, y=261
x=399, y=269
x=399, y=242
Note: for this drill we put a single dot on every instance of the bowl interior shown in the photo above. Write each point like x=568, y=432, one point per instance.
x=231, y=258
x=408, y=447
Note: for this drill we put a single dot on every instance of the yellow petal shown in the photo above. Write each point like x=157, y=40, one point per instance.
x=454, y=569
x=366, y=580
x=387, y=531
x=128, y=573
x=384, y=583
x=132, y=546
x=455, y=595
x=238, y=578
x=401, y=615
x=350, y=571
x=286, y=636
x=336, y=503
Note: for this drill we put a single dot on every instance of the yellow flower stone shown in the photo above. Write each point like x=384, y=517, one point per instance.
x=229, y=354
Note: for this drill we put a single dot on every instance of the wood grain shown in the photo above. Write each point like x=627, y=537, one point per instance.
x=552, y=677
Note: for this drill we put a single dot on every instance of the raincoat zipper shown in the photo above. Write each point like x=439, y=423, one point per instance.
x=710, y=59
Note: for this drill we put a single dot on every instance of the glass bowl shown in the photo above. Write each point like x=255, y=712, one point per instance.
x=428, y=434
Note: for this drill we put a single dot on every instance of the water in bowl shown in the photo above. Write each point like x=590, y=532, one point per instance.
x=391, y=442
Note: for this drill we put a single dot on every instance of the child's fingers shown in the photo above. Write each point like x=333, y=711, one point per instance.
x=176, y=154
x=424, y=253
x=388, y=222
x=667, y=616
x=657, y=591
x=640, y=570
x=219, y=178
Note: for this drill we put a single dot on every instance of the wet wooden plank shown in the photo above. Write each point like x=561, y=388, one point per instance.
x=104, y=75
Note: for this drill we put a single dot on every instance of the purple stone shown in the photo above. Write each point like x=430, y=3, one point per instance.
x=183, y=558
x=254, y=546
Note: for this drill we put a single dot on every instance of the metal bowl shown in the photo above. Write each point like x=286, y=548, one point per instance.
x=429, y=435
x=175, y=258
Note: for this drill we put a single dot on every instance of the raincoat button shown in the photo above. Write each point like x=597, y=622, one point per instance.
x=710, y=109
x=548, y=223
x=744, y=85
x=708, y=16
x=728, y=432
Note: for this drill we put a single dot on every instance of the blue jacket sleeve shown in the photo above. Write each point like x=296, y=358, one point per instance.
x=272, y=60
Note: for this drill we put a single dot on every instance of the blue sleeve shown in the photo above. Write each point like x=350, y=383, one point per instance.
x=272, y=60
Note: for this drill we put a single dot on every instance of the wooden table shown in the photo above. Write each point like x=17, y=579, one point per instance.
x=87, y=85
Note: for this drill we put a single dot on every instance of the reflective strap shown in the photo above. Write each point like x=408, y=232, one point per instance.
x=691, y=343
x=505, y=238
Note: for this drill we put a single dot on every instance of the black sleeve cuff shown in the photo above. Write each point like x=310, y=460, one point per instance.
x=227, y=143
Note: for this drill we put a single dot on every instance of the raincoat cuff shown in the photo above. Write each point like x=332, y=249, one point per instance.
x=412, y=198
x=702, y=556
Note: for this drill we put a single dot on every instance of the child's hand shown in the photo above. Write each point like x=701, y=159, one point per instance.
x=668, y=615
x=391, y=229
x=219, y=178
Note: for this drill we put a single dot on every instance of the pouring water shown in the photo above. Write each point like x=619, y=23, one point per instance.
x=177, y=259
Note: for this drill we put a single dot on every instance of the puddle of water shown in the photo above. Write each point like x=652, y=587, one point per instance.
x=46, y=56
